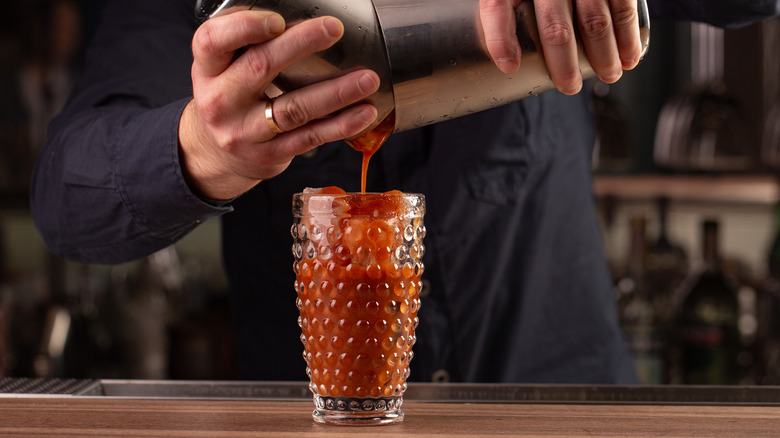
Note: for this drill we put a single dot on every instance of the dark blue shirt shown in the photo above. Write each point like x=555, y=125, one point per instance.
x=516, y=283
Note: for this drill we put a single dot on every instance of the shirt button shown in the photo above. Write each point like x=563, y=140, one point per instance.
x=310, y=153
x=426, y=288
x=440, y=376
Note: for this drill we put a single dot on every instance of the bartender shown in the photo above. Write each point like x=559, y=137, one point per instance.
x=167, y=128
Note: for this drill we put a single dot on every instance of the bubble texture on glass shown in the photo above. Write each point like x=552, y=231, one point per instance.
x=358, y=284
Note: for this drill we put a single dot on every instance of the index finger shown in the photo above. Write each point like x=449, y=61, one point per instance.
x=216, y=41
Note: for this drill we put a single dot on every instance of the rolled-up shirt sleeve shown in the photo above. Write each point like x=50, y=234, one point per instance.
x=108, y=186
x=113, y=191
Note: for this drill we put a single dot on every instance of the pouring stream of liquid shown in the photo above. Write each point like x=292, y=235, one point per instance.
x=370, y=142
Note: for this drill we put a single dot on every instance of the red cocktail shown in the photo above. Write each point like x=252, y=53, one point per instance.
x=358, y=266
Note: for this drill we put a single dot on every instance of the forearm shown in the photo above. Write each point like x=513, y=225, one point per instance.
x=108, y=187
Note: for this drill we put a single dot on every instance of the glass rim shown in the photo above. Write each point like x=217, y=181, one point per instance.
x=359, y=194
x=411, y=204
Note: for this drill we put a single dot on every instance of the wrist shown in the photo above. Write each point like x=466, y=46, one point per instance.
x=203, y=167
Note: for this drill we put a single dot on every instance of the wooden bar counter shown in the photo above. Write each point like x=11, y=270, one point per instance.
x=215, y=409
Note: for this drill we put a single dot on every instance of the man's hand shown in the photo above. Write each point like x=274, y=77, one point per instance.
x=609, y=30
x=226, y=144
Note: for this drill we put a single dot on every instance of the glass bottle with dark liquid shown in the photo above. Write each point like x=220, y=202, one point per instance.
x=638, y=316
x=666, y=260
x=709, y=332
x=769, y=309
x=666, y=266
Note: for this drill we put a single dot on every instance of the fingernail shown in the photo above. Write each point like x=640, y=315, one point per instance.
x=366, y=83
x=333, y=26
x=571, y=91
x=611, y=78
x=367, y=115
x=508, y=65
x=274, y=24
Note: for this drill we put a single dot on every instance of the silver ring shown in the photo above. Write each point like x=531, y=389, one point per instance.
x=269, y=117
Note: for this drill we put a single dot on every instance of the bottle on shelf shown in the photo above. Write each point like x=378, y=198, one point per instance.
x=709, y=339
x=666, y=265
x=638, y=318
x=769, y=311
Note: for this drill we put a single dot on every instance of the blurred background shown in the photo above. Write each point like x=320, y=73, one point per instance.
x=686, y=161
x=162, y=317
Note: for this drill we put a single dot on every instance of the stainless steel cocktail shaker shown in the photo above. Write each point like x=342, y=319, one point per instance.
x=429, y=54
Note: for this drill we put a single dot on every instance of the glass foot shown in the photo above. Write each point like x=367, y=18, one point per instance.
x=358, y=411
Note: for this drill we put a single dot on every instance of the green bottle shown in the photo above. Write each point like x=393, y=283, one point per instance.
x=708, y=324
